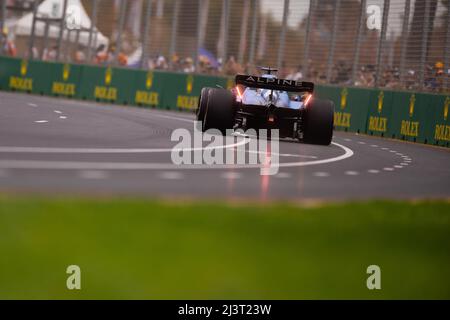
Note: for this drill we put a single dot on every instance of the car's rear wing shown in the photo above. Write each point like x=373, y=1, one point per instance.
x=274, y=84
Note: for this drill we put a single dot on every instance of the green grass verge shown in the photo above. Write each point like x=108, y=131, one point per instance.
x=140, y=249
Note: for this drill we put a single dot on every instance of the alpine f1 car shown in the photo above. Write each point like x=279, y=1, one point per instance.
x=266, y=102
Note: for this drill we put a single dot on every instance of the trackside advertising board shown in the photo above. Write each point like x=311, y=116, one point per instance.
x=416, y=117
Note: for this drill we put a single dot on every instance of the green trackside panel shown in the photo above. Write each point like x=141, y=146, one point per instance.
x=25, y=76
x=183, y=90
x=412, y=117
x=149, y=88
x=440, y=105
x=379, y=112
x=41, y=74
x=328, y=92
x=341, y=118
x=65, y=80
x=107, y=84
x=9, y=67
x=357, y=106
x=351, y=107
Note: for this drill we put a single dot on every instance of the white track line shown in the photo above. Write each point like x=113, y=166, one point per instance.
x=113, y=150
x=373, y=171
x=283, y=175
x=93, y=174
x=321, y=174
x=351, y=173
x=41, y=121
x=32, y=164
x=34, y=105
x=63, y=117
x=67, y=165
x=170, y=175
x=231, y=175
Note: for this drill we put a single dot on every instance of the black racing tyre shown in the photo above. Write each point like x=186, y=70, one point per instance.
x=219, y=112
x=202, y=104
x=318, y=122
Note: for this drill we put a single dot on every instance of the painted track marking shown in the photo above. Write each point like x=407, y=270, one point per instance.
x=37, y=164
x=93, y=174
x=321, y=174
x=171, y=175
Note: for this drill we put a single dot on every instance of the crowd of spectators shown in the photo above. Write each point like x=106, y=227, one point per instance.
x=435, y=75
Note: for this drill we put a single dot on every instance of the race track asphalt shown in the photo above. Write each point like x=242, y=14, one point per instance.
x=62, y=146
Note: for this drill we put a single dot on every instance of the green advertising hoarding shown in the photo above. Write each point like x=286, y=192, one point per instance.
x=107, y=84
x=417, y=117
x=351, y=106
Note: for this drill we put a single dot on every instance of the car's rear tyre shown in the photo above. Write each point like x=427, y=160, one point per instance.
x=219, y=112
x=318, y=122
x=202, y=104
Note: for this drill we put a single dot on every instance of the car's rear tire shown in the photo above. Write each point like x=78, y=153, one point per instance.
x=318, y=122
x=219, y=112
x=202, y=103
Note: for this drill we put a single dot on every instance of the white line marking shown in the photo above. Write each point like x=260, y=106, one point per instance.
x=283, y=175
x=41, y=121
x=361, y=142
x=63, y=117
x=393, y=151
x=373, y=171
x=231, y=175
x=67, y=165
x=348, y=153
x=404, y=164
x=399, y=154
x=32, y=164
x=57, y=111
x=348, y=140
x=384, y=148
x=398, y=166
x=174, y=118
x=112, y=150
x=321, y=174
x=281, y=154
x=171, y=175
x=388, y=169
x=351, y=173
x=93, y=174
x=374, y=145
x=32, y=105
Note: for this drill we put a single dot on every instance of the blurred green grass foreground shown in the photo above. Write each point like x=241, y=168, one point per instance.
x=145, y=249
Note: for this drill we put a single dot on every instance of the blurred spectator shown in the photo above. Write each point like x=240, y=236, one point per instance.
x=188, y=65
x=296, y=74
x=9, y=48
x=80, y=56
x=122, y=59
x=101, y=55
x=49, y=54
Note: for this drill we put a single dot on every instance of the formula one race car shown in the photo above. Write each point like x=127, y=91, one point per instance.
x=267, y=102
